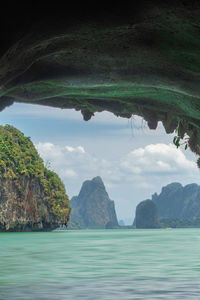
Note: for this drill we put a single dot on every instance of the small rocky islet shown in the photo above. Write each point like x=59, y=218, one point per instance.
x=146, y=215
x=92, y=208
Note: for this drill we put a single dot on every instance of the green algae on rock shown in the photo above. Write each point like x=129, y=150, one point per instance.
x=147, y=65
x=31, y=196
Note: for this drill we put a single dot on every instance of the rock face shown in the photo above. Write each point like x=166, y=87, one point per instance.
x=31, y=196
x=178, y=202
x=92, y=208
x=146, y=215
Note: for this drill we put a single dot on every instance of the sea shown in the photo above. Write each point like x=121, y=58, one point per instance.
x=100, y=264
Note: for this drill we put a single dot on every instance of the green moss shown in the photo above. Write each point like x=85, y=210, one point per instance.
x=55, y=190
x=19, y=158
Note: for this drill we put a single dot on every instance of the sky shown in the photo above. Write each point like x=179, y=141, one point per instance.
x=133, y=161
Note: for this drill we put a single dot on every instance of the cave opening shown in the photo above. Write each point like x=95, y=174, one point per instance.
x=132, y=71
x=133, y=160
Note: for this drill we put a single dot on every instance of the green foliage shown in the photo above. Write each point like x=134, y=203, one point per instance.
x=18, y=154
x=178, y=141
x=55, y=191
x=18, y=158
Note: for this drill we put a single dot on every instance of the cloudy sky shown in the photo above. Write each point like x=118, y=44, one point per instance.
x=133, y=161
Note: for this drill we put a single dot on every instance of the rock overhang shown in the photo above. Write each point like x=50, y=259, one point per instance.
x=147, y=64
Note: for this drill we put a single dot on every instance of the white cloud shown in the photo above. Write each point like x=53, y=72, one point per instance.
x=138, y=167
x=78, y=149
x=157, y=159
x=164, y=166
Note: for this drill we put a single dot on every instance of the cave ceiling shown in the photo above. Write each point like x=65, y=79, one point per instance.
x=139, y=59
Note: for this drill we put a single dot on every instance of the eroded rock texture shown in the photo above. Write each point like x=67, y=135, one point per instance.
x=139, y=59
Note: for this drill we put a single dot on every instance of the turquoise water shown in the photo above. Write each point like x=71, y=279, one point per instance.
x=100, y=264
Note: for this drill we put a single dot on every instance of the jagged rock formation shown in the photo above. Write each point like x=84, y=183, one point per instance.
x=146, y=215
x=92, y=208
x=138, y=59
x=178, y=202
x=31, y=196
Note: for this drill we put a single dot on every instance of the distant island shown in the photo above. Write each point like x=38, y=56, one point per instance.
x=146, y=215
x=176, y=206
x=92, y=208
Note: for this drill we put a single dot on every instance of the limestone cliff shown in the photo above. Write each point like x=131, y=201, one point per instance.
x=146, y=215
x=92, y=208
x=31, y=196
x=178, y=202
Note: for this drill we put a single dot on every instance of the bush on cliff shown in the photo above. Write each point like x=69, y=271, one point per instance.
x=22, y=167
